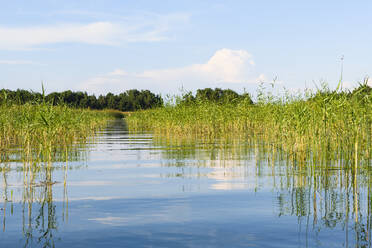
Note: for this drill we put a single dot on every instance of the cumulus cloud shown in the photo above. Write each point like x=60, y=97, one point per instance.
x=226, y=68
x=149, y=29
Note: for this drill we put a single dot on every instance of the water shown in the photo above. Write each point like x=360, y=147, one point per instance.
x=132, y=190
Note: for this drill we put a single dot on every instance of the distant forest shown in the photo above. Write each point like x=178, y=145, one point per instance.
x=216, y=95
x=130, y=100
x=127, y=101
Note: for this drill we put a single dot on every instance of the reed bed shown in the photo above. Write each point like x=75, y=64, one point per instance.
x=40, y=132
x=318, y=127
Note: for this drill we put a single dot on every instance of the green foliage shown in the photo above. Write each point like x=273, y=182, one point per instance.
x=216, y=95
x=130, y=100
x=37, y=132
x=319, y=126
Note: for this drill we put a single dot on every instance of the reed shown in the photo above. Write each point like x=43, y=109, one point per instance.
x=311, y=126
x=40, y=132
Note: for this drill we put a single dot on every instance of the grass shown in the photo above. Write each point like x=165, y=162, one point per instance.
x=42, y=132
x=313, y=126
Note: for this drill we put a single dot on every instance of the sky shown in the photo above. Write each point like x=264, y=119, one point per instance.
x=170, y=47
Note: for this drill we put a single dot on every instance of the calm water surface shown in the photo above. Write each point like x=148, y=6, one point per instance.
x=132, y=190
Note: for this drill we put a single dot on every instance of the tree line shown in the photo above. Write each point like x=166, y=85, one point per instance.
x=132, y=100
x=216, y=95
x=129, y=100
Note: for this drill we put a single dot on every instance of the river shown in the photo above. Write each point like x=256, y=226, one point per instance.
x=125, y=189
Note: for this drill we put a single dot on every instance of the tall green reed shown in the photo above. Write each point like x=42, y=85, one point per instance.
x=37, y=132
x=319, y=126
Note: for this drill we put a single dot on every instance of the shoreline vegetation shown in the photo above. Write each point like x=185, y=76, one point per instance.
x=310, y=127
x=34, y=133
x=325, y=125
x=35, y=127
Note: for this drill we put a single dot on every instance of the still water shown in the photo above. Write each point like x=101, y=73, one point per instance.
x=126, y=189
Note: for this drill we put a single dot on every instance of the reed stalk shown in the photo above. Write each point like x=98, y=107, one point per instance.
x=319, y=126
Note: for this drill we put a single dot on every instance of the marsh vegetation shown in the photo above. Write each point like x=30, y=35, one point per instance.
x=319, y=126
x=43, y=132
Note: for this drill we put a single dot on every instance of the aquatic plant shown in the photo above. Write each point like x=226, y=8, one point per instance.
x=312, y=126
x=40, y=132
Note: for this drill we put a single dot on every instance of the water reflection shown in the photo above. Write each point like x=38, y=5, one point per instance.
x=27, y=191
x=322, y=194
x=30, y=194
x=122, y=181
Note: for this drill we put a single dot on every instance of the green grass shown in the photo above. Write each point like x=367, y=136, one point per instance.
x=321, y=126
x=40, y=132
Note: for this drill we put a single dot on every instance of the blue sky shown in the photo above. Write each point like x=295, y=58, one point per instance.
x=101, y=46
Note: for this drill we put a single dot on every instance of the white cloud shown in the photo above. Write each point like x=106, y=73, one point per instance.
x=148, y=28
x=226, y=68
x=30, y=37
